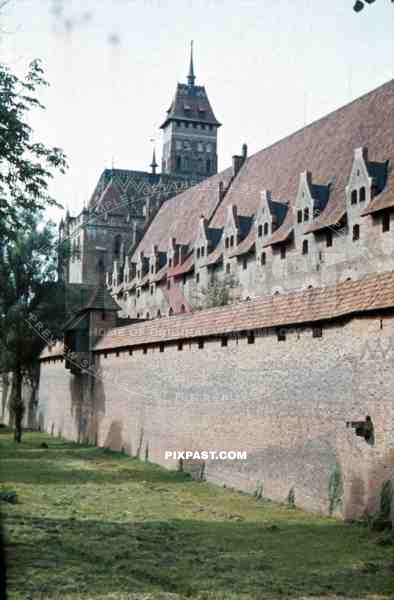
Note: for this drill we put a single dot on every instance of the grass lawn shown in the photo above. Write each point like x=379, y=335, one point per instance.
x=94, y=524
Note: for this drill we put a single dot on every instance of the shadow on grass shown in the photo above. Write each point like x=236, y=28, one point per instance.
x=192, y=557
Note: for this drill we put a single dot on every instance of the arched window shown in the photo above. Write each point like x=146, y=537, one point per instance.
x=354, y=197
x=362, y=194
x=305, y=247
x=232, y=240
x=117, y=244
x=226, y=242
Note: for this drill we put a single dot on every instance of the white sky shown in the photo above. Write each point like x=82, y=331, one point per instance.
x=269, y=67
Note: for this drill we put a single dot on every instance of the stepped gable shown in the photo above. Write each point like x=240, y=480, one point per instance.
x=307, y=306
x=326, y=149
x=179, y=216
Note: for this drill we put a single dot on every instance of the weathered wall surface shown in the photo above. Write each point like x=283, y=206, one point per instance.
x=286, y=403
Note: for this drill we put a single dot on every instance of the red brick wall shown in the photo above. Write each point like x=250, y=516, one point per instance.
x=286, y=403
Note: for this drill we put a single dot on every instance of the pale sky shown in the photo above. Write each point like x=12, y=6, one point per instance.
x=269, y=67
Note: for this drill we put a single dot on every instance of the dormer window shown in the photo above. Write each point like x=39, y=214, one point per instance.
x=362, y=194
x=232, y=240
x=299, y=216
x=265, y=228
x=260, y=231
x=306, y=214
x=263, y=258
x=385, y=222
x=198, y=252
x=353, y=199
x=305, y=247
x=203, y=251
x=356, y=233
x=226, y=242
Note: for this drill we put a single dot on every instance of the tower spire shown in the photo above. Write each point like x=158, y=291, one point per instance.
x=191, y=77
x=153, y=164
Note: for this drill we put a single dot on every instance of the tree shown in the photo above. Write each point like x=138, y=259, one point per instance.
x=28, y=286
x=26, y=166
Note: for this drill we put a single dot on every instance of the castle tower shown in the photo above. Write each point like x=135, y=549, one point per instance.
x=190, y=131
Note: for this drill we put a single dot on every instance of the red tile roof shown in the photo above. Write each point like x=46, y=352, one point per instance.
x=184, y=267
x=318, y=304
x=179, y=217
x=326, y=149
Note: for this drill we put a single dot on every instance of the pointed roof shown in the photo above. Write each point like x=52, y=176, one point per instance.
x=191, y=103
x=191, y=77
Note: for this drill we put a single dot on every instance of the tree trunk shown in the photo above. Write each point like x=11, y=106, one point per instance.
x=18, y=405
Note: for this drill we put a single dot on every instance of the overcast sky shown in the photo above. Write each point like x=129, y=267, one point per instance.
x=269, y=67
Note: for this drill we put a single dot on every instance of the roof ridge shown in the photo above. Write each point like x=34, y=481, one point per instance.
x=319, y=119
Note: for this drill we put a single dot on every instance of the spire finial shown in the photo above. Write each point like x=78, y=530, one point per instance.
x=153, y=164
x=191, y=77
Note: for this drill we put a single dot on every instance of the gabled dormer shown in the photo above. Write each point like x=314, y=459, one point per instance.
x=201, y=243
x=230, y=230
x=304, y=204
x=358, y=189
x=142, y=266
x=264, y=219
x=172, y=253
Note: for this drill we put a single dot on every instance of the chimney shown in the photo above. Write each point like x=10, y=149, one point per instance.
x=237, y=164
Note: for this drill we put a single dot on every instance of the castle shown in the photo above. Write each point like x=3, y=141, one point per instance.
x=251, y=310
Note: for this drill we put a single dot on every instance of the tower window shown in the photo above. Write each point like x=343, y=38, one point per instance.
x=353, y=199
x=386, y=222
x=362, y=194
x=356, y=233
x=305, y=247
x=329, y=238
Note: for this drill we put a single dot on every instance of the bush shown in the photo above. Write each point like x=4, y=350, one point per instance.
x=9, y=496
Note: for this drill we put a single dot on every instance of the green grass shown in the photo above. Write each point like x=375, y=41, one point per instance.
x=94, y=524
